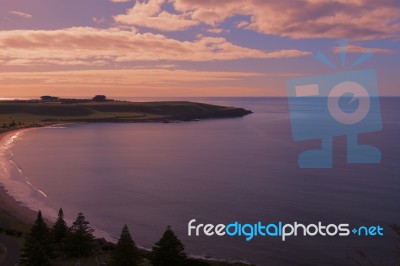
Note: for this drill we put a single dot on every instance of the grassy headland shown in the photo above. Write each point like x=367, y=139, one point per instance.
x=18, y=114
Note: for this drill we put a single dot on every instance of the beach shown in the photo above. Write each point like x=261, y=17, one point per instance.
x=8, y=205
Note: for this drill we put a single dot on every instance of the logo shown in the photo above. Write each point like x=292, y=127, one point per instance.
x=338, y=104
x=281, y=230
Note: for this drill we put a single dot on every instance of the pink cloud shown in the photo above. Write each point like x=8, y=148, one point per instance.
x=84, y=45
x=360, y=49
x=150, y=14
x=356, y=19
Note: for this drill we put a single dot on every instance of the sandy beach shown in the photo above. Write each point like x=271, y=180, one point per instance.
x=8, y=204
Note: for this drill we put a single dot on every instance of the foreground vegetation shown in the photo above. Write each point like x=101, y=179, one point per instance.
x=76, y=245
x=60, y=240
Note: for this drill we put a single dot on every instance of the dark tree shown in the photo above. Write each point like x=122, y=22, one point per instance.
x=99, y=98
x=60, y=228
x=80, y=240
x=38, y=238
x=38, y=256
x=125, y=253
x=169, y=250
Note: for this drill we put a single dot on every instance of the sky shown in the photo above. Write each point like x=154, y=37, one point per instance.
x=189, y=48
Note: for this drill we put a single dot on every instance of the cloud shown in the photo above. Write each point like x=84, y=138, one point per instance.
x=137, y=82
x=98, y=20
x=20, y=14
x=88, y=46
x=166, y=66
x=125, y=77
x=242, y=24
x=150, y=14
x=212, y=12
x=356, y=19
x=360, y=49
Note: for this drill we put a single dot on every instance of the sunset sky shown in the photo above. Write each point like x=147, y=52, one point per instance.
x=188, y=47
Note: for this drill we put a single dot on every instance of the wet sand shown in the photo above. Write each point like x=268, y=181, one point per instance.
x=8, y=204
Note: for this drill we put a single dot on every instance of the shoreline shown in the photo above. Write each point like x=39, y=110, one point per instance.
x=8, y=204
x=10, y=207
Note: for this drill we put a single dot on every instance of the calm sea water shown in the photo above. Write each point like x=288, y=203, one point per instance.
x=217, y=171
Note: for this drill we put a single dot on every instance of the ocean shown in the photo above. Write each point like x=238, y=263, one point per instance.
x=151, y=175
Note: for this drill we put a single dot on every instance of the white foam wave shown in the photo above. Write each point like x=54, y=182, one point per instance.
x=17, y=184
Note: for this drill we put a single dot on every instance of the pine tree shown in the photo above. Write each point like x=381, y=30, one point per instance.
x=60, y=228
x=38, y=239
x=169, y=250
x=80, y=240
x=125, y=253
x=38, y=256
